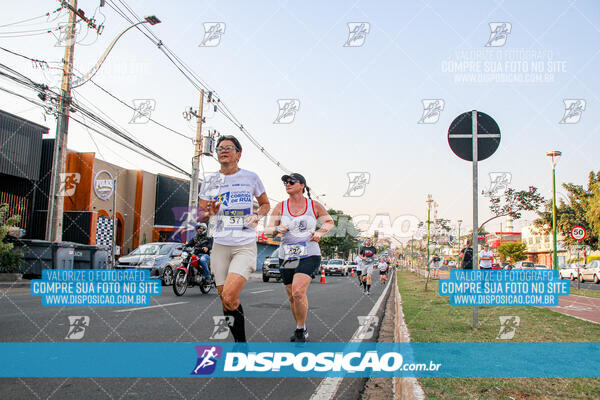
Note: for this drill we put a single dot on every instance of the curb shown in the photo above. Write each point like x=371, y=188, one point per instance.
x=403, y=388
x=15, y=284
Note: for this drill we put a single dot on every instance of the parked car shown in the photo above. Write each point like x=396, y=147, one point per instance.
x=336, y=266
x=161, y=258
x=524, y=265
x=496, y=266
x=591, y=272
x=540, y=266
x=507, y=265
x=270, y=267
x=570, y=271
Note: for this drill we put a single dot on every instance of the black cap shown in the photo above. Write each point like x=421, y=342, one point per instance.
x=295, y=176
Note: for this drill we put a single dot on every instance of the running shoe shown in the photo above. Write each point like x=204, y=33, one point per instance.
x=300, y=335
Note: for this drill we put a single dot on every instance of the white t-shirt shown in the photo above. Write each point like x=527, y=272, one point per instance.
x=358, y=262
x=235, y=193
x=382, y=266
x=485, y=263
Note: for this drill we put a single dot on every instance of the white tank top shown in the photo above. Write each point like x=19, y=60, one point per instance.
x=295, y=243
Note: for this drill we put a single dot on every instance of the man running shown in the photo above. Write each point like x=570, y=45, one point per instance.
x=367, y=254
x=299, y=253
x=230, y=208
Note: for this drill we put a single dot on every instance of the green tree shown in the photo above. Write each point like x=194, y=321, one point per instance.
x=9, y=260
x=514, y=251
x=342, y=237
x=580, y=208
x=513, y=202
x=593, y=208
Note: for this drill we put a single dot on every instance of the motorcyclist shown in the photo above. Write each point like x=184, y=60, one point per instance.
x=202, y=245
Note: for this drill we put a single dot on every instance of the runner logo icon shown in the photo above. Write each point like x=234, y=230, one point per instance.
x=207, y=359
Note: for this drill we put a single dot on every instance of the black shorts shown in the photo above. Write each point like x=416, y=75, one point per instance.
x=358, y=272
x=309, y=266
x=383, y=272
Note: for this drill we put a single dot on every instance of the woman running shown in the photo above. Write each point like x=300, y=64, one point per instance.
x=299, y=253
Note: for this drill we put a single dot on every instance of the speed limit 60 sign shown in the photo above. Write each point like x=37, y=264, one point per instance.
x=578, y=232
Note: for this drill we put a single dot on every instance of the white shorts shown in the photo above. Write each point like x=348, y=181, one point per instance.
x=240, y=260
x=368, y=269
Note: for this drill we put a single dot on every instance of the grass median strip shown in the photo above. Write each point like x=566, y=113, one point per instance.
x=585, y=292
x=431, y=318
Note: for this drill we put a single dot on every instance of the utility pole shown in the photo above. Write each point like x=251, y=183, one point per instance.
x=113, y=241
x=54, y=219
x=193, y=199
x=56, y=199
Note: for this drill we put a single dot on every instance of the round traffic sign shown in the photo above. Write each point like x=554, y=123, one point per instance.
x=460, y=136
x=578, y=232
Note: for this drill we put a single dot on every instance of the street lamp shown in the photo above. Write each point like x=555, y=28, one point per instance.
x=151, y=19
x=429, y=201
x=458, y=241
x=553, y=157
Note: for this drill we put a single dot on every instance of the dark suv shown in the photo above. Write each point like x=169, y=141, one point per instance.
x=270, y=267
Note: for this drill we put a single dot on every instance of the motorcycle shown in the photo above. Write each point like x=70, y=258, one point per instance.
x=190, y=274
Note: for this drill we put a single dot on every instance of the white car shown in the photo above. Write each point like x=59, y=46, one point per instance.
x=336, y=266
x=524, y=265
x=591, y=272
x=570, y=271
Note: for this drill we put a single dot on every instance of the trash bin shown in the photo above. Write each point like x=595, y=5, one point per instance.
x=83, y=255
x=37, y=255
x=63, y=255
x=101, y=258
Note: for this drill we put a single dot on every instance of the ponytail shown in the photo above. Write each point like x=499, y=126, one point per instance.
x=308, y=192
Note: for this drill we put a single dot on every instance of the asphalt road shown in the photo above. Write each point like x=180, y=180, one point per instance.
x=334, y=308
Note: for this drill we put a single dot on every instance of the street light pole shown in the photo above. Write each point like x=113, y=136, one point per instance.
x=428, y=201
x=458, y=242
x=553, y=157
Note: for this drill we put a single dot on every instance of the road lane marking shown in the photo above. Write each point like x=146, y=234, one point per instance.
x=262, y=291
x=146, y=308
x=329, y=386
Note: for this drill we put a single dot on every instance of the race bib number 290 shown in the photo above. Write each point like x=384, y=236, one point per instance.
x=294, y=251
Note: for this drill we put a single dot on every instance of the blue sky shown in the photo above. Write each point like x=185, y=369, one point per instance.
x=359, y=106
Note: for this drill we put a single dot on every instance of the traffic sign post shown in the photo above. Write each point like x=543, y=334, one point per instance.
x=474, y=136
x=578, y=233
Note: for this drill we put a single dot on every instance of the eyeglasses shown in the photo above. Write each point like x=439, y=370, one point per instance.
x=290, y=182
x=226, y=148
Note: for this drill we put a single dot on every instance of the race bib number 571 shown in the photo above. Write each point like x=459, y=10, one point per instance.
x=234, y=219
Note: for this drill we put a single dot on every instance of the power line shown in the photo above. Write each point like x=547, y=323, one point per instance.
x=32, y=19
x=25, y=81
x=34, y=60
x=134, y=109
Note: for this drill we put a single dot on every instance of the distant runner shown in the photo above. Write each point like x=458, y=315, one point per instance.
x=383, y=269
x=359, y=264
x=367, y=254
